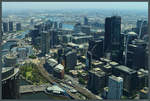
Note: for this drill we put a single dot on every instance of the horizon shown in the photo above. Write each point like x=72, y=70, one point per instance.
x=74, y=5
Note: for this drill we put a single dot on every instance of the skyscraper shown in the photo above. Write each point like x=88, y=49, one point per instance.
x=45, y=42
x=115, y=89
x=53, y=37
x=5, y=27
x=88, y=60
x=10, y=26
x=96, y=48
x=60, y=25
x=70, y=59
x=18, y=26
x=107, y=40
x=114, y=38
x=85, y=21
x=55, y=25
x=136, y=54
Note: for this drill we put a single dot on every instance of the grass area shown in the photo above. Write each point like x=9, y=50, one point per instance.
x=30, y=72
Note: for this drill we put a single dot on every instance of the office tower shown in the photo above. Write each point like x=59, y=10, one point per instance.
x=96, y=48
x=88, y=60
x=55, y=25
x=53, y=37
x=136, y=55
x=32, y=21
x=138, y=25
x=113, y=38
x=10, y=26
x=107, y=40
x=81, y=39
x=85, y=29
x=45, y=42
x=142, y=79
x=70, y=59
x=10, y=83
x=60, y=25
x=5, y=27
x=129, y=79
x=142, y=28
x=115, y=87
x=96, y=81
x=77, y=27
x=85, y=21
x=18, y=26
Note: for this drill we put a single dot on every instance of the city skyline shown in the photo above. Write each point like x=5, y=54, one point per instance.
x=77, y=5
x=79, y=53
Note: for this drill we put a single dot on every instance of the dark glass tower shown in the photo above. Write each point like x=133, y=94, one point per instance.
x=113, y=38
x=5, y=27
x=85, y=21
x=10, y=26
x=18, y=26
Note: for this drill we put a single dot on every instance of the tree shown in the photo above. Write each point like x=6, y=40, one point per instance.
x=81, y=80
x=32, y=56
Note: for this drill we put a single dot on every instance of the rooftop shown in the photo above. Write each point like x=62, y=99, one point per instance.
x=118, y=79
x=98, y=72
x=125, y=69
x=59, y=67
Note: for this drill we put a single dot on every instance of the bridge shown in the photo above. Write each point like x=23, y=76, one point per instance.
x=33, y=88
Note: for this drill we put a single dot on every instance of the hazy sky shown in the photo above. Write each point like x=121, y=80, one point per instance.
x=64, y=5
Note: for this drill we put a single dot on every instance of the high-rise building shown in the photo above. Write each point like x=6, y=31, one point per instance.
x=60, y=25
x=55, y=25
x=32, y=21
x=5, y=27
x=96, y=81
x=70, y=59
x=18, y=26
x=114, y=38
x=77, y=27
x=115, y=87
x=10, y=83
x=45, y=42
x=142, y=28
x=138, y=25
x=136, y=55
x=85, y=29
x=107, y=40
x=53, y=37
x=10, y=26
x=129, y=79
x=96, y=48
x=88, y=60
x=85, y=21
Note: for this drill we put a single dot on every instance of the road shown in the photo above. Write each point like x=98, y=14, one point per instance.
x=82, y=90
x=33, y=88
x=52, y=81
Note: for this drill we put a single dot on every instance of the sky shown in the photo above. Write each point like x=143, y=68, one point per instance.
x=72, y=5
